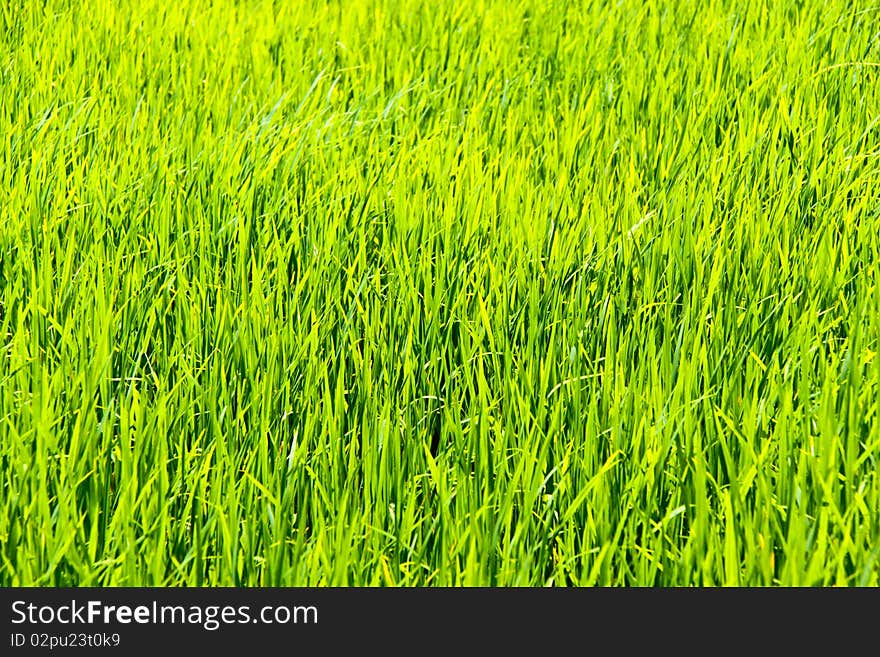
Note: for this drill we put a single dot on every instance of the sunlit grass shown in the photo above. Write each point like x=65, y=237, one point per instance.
x=502, y=292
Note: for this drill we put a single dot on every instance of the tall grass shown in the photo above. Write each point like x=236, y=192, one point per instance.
x=498, y=292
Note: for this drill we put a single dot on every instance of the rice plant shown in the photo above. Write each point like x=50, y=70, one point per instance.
x=431, y=293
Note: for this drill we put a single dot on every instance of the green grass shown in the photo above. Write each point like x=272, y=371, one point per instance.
x=500, y=292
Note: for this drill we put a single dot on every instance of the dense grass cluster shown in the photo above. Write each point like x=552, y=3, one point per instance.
x=498, y=292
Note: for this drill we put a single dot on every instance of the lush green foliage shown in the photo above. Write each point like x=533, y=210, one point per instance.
x=505, y=292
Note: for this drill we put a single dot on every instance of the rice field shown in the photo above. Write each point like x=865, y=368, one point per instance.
x=434, y=293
